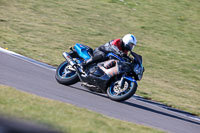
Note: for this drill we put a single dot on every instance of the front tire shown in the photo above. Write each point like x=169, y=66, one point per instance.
x=66, y=76
x=115, y=93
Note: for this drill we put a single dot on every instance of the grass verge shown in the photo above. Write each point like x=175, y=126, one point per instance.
x=62, y=116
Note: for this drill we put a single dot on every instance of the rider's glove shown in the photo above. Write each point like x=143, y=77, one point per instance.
x=122, y=54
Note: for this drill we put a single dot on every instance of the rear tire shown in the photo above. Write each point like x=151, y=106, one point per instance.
x=129, y=92
x=65, y=76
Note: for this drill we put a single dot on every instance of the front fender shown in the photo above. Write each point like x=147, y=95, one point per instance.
x=131, y=79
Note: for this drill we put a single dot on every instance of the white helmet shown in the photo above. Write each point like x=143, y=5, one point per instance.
x=129, y=41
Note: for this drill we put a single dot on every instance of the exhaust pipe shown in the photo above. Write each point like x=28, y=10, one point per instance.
x=72, y=63
x=69, y=58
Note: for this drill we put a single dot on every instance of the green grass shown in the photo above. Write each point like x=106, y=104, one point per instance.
x=167, y=32
x=62, y=116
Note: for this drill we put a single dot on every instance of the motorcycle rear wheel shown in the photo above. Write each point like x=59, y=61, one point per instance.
x=122, y=96
x=66, y=76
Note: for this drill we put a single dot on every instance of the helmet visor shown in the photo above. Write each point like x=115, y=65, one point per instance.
x=130, y=46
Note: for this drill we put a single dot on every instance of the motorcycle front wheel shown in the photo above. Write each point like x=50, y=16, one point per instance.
x=66, y=76
x=116, y=93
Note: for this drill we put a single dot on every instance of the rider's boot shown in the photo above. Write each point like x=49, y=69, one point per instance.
x=84, y=64
x=93, y=59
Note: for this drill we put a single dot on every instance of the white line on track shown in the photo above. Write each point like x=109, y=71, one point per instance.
x=28, y=59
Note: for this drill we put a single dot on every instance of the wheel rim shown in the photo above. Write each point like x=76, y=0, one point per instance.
x=65, y=73
x=116, y=91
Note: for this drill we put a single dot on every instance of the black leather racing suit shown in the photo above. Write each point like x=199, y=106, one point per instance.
x=100, y=53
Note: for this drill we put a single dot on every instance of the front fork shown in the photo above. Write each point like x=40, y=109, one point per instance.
x=122, y=81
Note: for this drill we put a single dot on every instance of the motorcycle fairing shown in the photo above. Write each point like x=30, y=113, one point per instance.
x=138, y=67
x=102, y=74
x=114, y=56
x=114, y=70
x=92, y=79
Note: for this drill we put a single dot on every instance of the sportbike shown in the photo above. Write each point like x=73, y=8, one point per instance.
x=117, y=76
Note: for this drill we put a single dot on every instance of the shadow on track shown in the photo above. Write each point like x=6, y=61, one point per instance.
x=95, y=93
x=158, y=112
x=139, y=106
x=166, y=107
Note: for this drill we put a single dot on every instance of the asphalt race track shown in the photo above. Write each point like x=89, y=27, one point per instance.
x=37, y=78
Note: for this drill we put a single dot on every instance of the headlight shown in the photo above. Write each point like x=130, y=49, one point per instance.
x=138, y=70
x=140, y=76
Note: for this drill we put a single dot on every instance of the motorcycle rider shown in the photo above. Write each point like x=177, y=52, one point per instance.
x=116, y=46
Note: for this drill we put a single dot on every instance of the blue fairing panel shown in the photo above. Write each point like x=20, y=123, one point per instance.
x=82, y=51
x=115, y=56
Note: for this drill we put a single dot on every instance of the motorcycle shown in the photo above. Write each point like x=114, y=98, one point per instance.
x=117, y=77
